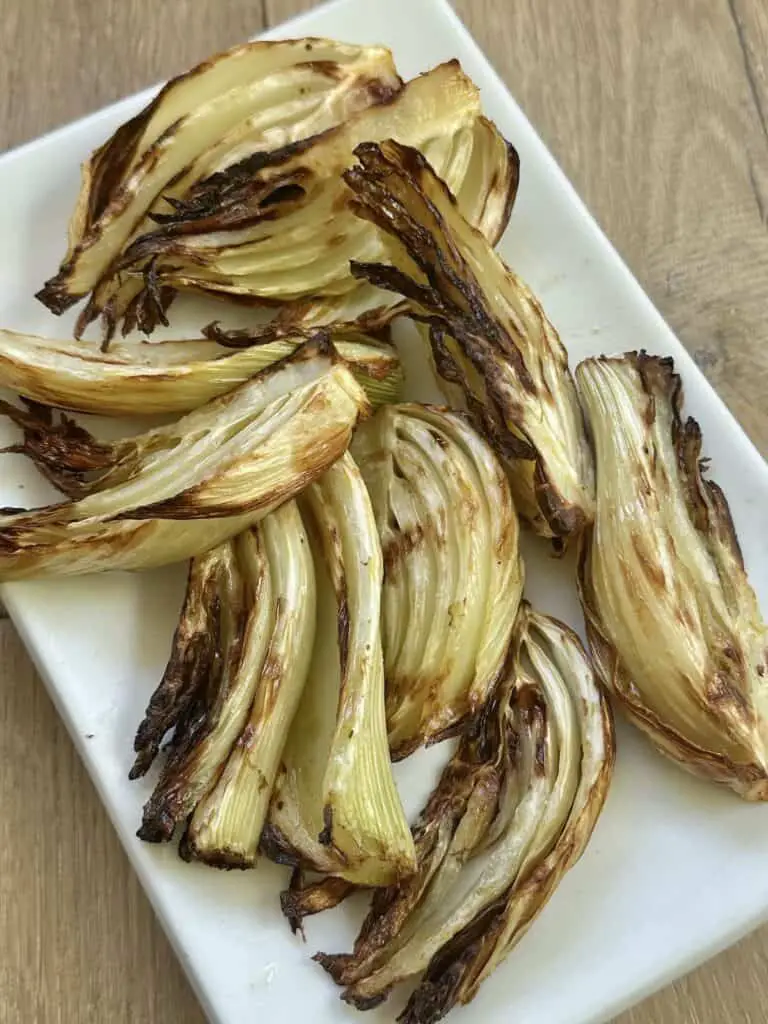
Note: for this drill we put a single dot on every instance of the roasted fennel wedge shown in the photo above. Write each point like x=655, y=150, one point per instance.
x=512, y=812
x=254, y=99
x=281, y=231
x=176, y=376
x=663, y=562
x=232, y=708
x=493, y=348
x=177, y=490
x=335, y=808
x=453, y=576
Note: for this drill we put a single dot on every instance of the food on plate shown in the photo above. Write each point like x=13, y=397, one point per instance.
x=278, y=229
x=260, y=98
x=180, y=489
x=512, y=812
x=673, y=623
x=335, y=808
x=176, y=376
x=233, y=682
x=453, y=577
x=355, y=584
x=494, y=350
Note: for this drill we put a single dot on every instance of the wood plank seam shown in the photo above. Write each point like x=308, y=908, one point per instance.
x=757, y=100
x=748, y=67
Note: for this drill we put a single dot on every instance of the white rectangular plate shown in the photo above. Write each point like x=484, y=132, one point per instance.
x=676, y=869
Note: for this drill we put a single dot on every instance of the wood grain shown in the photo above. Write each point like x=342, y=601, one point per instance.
x=64, y=58
x=657, y=110
x=78, y=941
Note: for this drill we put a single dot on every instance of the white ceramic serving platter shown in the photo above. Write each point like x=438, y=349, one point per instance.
x=676, y=869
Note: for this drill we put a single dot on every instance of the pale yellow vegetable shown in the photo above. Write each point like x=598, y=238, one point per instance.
x=453, y=576
x=254, y=99
x=172, y=376
x=335, y=806
x=226, y=825
x=494, y=350
x=284, y=233
x=179, y=490
x=512, y=813
x=675, y=628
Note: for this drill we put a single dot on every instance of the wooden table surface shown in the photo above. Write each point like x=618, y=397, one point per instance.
x=658, y=112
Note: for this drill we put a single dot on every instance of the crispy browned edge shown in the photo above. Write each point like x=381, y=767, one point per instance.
x=482, y=340
x=375, y=324
x=193, y=658
x=65, y=453
x=303, y=899
x=171, y=801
